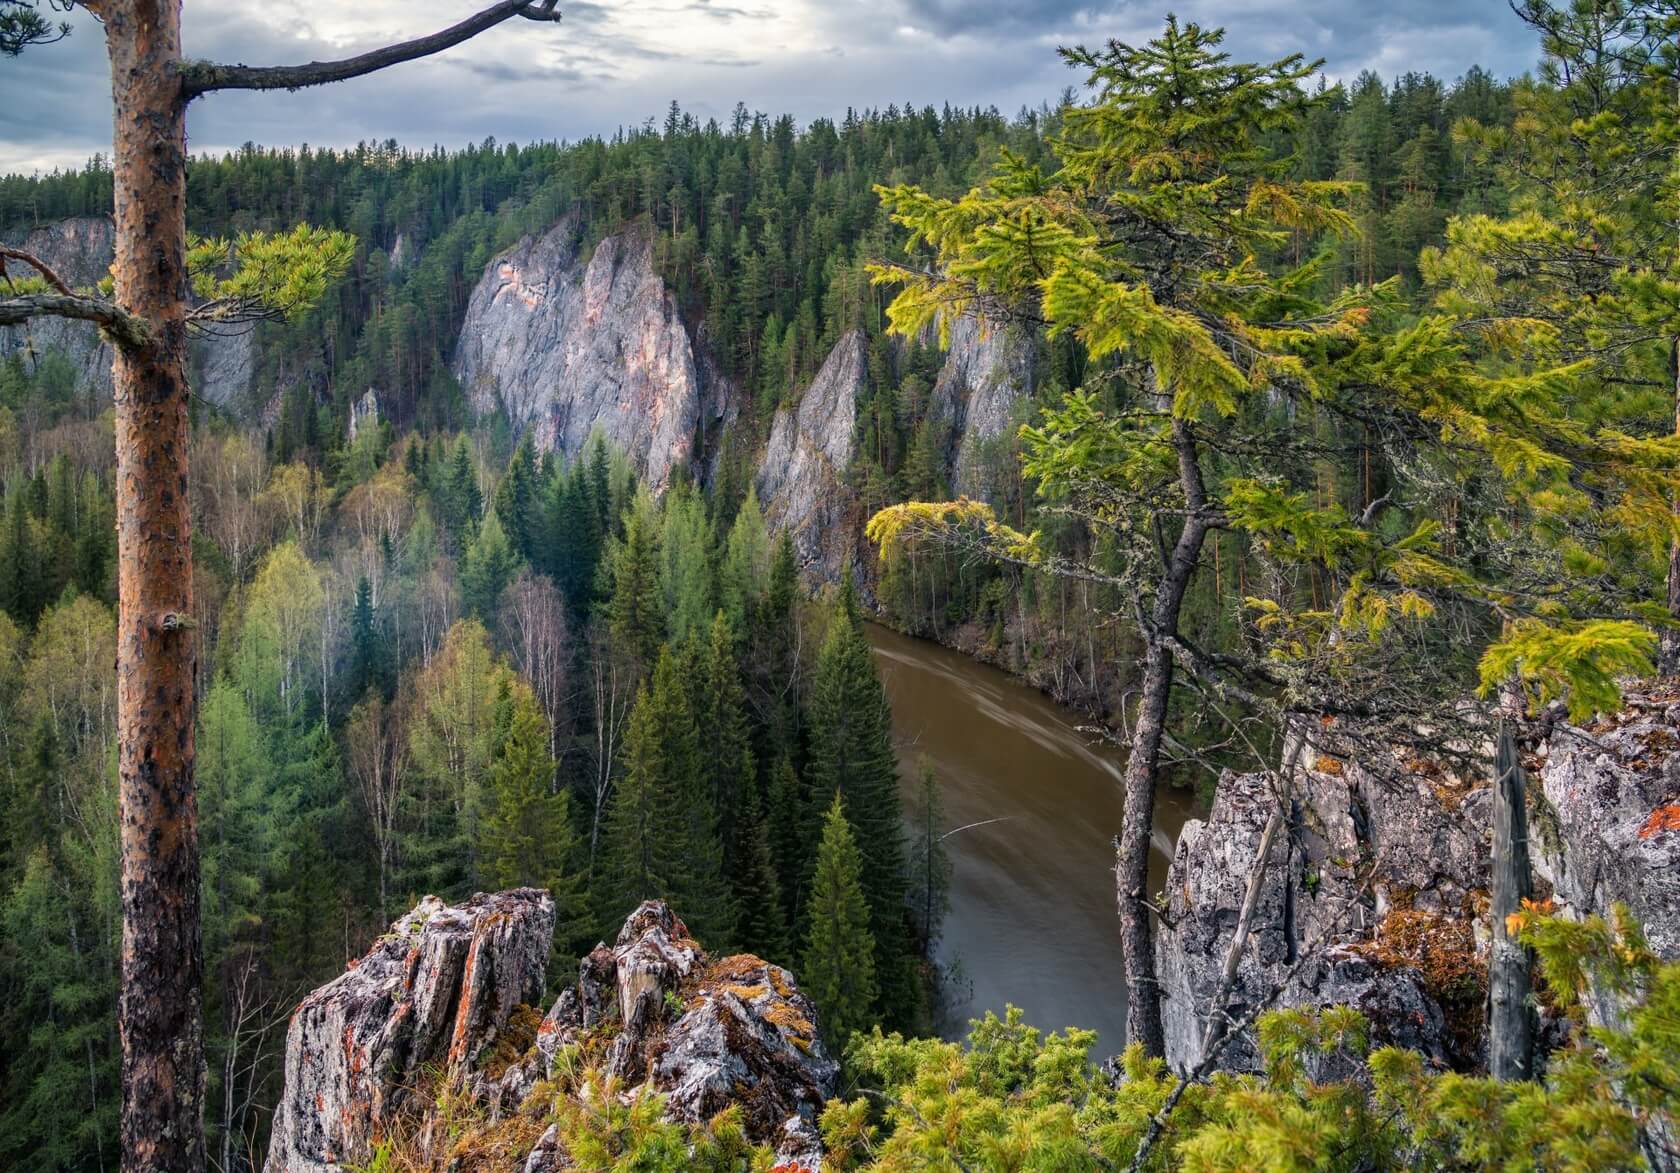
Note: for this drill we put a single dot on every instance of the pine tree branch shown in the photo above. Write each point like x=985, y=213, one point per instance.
x=36, y=263
x=124, y=328
x=201, y=77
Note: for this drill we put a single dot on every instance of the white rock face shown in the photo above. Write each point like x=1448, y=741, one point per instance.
x=801, y=480
x=567, y=345
x=219, y=366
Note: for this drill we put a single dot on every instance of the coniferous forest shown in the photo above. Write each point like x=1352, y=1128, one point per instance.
x=1351, y=436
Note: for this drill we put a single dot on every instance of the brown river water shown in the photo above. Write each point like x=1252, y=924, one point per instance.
x=1032, y=920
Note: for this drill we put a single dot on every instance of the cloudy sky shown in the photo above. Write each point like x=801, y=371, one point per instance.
x=613, y=64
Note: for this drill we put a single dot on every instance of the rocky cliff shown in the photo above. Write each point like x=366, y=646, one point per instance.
x=220, y=365
x=439, y=1013
x=988, y=372
x=802, y=478
x=568, y=344
x=1377, y=895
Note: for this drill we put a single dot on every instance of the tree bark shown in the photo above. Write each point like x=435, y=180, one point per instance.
x=1131, y=871
x=1511, y=1024
x=159, y=1010
x=1668, y=654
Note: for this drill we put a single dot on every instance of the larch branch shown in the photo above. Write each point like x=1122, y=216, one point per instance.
x=201, y=77
x=124, y=328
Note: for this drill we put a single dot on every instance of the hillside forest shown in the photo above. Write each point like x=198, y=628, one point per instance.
x=1351, y=400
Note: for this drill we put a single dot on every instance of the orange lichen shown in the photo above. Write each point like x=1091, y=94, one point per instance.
x=1442, y=949
x=1664, y=818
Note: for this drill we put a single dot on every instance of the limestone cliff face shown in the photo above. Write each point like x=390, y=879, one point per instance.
x=220, y=366
x=802, y=478
x=567, y=344
x=988, y=371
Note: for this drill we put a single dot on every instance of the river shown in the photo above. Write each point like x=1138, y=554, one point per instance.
x=1032, y=920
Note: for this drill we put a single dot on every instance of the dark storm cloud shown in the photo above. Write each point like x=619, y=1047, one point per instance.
x=612, y=65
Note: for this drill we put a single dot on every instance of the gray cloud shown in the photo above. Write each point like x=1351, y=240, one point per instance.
x=607, y=66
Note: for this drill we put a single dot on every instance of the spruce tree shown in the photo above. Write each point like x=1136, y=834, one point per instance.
x=515, y=501
x=526, y=837
x=852, y=757
x=636, y=613
x=784, y=824
x=761, y=923
x=490, y=564
x=838, y=971
x=661, y=836
x=368, y=661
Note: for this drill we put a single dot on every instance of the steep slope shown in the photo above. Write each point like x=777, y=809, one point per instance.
x=988, y=371
x=80, y=251
x=801, y=479
x=567, y=344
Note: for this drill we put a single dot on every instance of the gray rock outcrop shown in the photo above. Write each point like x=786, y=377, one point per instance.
x=429, y=995
x=1309, y=915
x=220, y=364
x=364, y=413
x=446, y=996
x=568, y=344
x=1609, y=830
x=706, y=1033
x=802, y=478
x=988, y=371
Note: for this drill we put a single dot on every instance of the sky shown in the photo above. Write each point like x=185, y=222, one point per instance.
x=608, y=65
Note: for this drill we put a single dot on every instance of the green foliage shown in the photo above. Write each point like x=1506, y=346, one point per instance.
x=852, y=758
x=262, y=274
x=838, y=970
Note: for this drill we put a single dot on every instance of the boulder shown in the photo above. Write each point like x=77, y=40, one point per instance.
x=430, y=995
x=569, y=344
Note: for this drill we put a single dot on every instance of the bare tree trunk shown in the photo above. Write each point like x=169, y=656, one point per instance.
x=1511, y=1025
x=1668, y=655
x=159, y=1008
x=1131, y=871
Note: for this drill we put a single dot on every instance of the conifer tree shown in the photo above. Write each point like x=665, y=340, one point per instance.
x=490, y=564
x=784, y=823
x=1169, y=161
x=636, y=612
x=838, y=970
x=526, y=836
x=515, y=502
x=368, y=659
x=852, y=757
x=721, y=711
x=761, y=924
x=661, y=836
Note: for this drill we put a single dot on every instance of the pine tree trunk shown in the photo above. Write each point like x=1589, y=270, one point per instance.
x=1511, y=1025
x=1668, y=655
x=159, y=1012
x=1131, y=872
